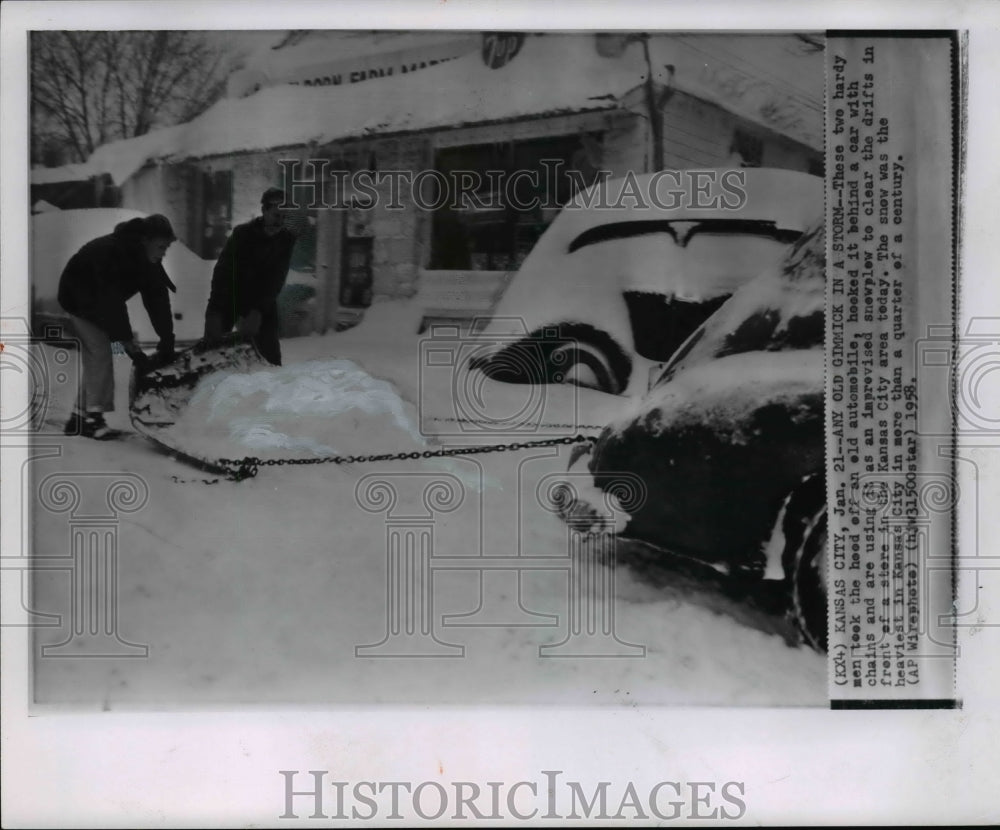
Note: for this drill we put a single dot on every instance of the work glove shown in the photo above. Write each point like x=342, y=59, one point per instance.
x=142, y=363
x=165, y=350
x=159, y=360
x=213, y=328
x=249, y=324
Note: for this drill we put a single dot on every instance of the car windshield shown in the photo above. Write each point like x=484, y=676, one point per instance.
x=693, y=261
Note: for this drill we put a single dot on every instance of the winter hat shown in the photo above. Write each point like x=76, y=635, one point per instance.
x=273, y=194
x=157, y=226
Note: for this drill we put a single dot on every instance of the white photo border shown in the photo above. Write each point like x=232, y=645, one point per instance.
x=221, y=768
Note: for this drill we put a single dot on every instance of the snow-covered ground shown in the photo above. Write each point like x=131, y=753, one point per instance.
x=261, y=591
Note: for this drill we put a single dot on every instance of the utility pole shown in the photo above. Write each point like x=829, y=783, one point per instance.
x=655, y=114
x=655, y=95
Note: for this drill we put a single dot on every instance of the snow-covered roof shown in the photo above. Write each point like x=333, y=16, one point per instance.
x=552, y=74
x=42, y=206
x=774, y=80
x=124, y=158
x=66, y=173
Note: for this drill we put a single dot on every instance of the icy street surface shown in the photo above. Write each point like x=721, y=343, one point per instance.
x=259, y=592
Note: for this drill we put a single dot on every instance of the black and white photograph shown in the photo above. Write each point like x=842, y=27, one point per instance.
x=387, y=368
x=368, y=261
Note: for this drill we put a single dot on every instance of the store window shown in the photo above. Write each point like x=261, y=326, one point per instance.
x=749, y=147
x=302, y=221
x=217, y=211
x=498, y=233
x=356, y=274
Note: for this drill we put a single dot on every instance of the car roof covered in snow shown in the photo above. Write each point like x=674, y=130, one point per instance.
x=565, y=282
x=787, y=198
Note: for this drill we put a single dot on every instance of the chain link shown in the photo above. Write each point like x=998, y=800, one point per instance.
x=487, y=422
x=239, y=469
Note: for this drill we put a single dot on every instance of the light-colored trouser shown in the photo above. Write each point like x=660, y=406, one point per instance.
x=97, y=385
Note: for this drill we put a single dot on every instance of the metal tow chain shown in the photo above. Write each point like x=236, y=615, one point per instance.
x=239, y=469
x=488, y=422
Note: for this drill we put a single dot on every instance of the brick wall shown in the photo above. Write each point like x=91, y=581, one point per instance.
x=399, y=234
x=252, y=175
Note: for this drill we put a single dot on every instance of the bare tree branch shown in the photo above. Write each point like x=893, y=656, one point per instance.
x=88, y=88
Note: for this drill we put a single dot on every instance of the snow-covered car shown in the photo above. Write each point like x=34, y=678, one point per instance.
x=729, y=443
x=57, y=235
x=632, y=266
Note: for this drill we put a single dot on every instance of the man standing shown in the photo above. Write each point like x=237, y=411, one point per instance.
x=248, y=277
x=94, y=287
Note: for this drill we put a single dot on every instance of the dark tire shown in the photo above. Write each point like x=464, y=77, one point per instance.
x=559, y=354
x=809, y=593
x=567, y=361
x=804, y=525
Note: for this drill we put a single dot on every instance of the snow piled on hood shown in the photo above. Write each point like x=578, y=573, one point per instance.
x=726, y=391
x=316, y=408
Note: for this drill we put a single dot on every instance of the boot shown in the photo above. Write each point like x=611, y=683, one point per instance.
x=74, y=425
x=93, y=426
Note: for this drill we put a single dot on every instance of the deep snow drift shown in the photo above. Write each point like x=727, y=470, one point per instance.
x=316, y=408
x=263, y=591
x=57, y=235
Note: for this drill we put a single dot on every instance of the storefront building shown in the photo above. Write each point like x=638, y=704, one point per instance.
x=561, y=107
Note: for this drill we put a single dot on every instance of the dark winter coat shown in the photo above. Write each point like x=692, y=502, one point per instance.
x=250, y=272
x=108, y=271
